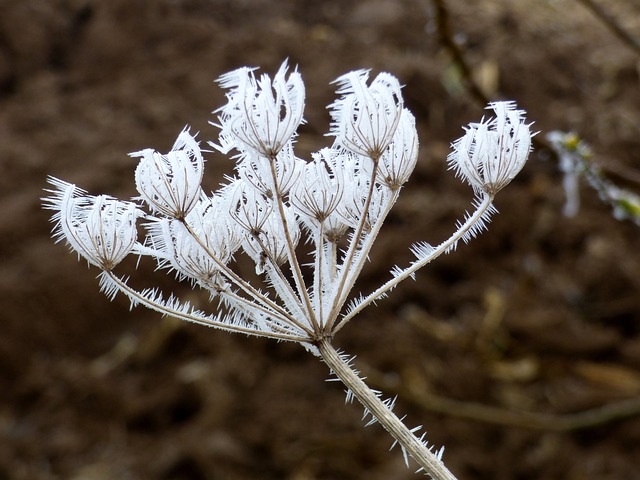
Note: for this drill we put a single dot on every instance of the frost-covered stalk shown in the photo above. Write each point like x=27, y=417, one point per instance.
x=337, y=202
x=576, y=160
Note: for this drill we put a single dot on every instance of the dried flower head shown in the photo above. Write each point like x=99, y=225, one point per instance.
x=170, y=184
x=100, y=229
x=365, y=118
x=399, y=159
x=261, y=115
x=491, y=153
x=338, y=201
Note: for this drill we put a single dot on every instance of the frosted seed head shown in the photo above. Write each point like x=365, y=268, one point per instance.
x=365, y=117
x=181, y=252
x=352, y=208
x=260, y=115
x=269, y=244
x=100, y=229
x=319, y=189
x=190, y=251
x=264, y=238
x=491, y=153
x=255, y=170
x=170, y=184
x=212, y=222
x=248, y=208
x=358, y=172
x=399, y=159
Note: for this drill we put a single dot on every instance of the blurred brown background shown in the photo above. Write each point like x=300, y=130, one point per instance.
x=540, y=314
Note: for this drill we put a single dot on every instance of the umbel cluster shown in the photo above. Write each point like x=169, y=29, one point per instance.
x=336, y=203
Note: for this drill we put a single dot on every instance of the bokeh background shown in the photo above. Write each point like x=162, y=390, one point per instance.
x=519, y=352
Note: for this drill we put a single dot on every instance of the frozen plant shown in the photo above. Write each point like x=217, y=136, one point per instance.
x=575, y=161
x=336, y=202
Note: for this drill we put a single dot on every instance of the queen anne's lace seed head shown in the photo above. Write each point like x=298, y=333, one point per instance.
x=319, y=191
x=170, y=184
x=353, y=207
x=100, y=229
x=178, y=250
x=365, y=118
x=198, y=253
x=260, y=115
x=255, y=170
x=247, y=207
x=491, y=153
x=268, y=245
x=341, y=198
x=211, y=221
x=399, y=159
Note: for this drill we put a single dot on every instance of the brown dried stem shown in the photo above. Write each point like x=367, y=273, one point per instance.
x=612, y=24
x=499, y=416
x=446, y=37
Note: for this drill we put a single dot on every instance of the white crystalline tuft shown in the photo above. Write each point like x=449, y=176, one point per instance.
x=100, y=229
x=491, y=153
x=261, y=115
x=365, y=118
x=170, y=184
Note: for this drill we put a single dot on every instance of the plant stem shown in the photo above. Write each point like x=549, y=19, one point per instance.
x=391, y=423
x=444, y=247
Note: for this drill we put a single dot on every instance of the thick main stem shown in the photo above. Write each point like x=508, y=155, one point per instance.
x=391, y=423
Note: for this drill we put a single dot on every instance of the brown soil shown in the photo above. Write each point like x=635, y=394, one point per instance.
x=539, y=314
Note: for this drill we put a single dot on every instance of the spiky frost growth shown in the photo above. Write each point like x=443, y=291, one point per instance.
x=336, y=203
x=261, y=115
x=170, y=184
x=491, y=153
x=399, y=159
x=365, y=118
x=100, y=229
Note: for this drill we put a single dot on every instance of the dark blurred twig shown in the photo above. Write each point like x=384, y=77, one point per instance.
x=447, y=40
x=612, y=25
x=499, y=416
x=446, y=37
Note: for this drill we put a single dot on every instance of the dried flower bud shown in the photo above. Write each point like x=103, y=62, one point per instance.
x=260, y=114
x=170, y=184
x=175, y=247
x=100, y=229
x=353, y=208
x=247, y=206
x=399, y=159
x=269, y=244
x=255, y=170
x=319, y=190
x=366, y=117
x=491, y=153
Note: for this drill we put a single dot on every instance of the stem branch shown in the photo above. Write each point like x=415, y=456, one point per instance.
x=391, y=423
x=462, y=230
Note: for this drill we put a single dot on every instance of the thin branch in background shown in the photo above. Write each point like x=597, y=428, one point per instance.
x=625, y=205
x=576, y=163
x=447, y=39
x=499, y=416
x=612, y=24
x=457, y=54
